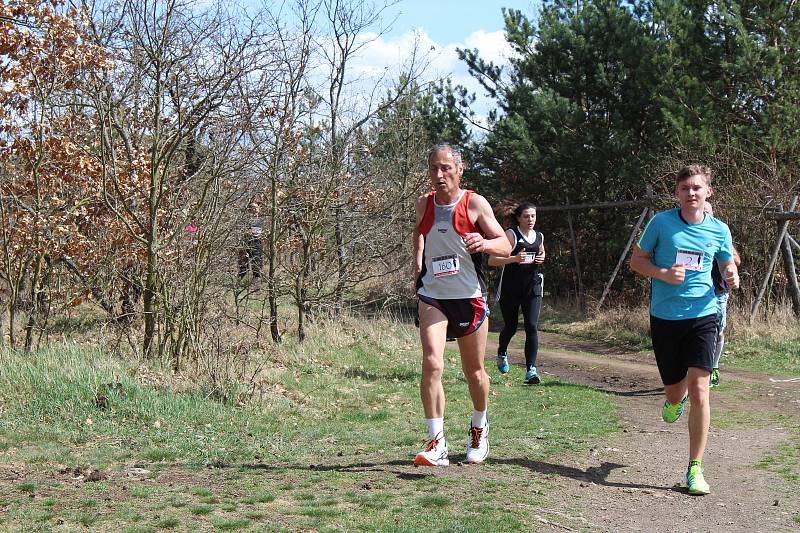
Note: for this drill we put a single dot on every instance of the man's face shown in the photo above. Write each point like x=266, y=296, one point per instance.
x=445, y=174
x=692, y=192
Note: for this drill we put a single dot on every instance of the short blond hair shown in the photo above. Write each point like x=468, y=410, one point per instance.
x=694, y=170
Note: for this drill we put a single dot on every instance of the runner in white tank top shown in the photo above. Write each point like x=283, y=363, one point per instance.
x=453, y=228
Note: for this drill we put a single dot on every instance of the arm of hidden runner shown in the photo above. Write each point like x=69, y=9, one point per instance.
x=501, y=261
x=642, y=263
x=540, y=255
x=730, y=268
x=494, y=241
x=731, y=273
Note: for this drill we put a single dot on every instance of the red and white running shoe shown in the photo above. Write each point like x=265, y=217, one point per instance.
x=434, y=454
x=478, y=445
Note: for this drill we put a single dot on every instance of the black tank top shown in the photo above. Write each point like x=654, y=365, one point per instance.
x=518, y=276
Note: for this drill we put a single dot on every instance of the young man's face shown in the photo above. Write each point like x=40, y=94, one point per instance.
x=692, y=192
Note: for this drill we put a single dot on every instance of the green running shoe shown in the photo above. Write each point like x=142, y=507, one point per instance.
x=531, y=377
x=695, y=480
x=502, y=363
x=672, y=412
x=714, y=377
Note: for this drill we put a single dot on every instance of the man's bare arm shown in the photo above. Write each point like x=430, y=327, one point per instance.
x=493, y=241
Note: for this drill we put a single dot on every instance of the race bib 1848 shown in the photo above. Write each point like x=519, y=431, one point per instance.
x=445, y=265
x=690, y=259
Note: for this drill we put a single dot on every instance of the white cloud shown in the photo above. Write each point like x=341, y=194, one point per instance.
x=382, y=60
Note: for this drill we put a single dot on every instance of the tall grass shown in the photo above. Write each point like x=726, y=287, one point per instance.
x=769, y=343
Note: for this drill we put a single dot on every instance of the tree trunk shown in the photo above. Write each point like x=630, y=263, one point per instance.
x=149, y=306
x=34, y=310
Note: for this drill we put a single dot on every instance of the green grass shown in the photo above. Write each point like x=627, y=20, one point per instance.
x=785, y=461
x=775, y=356
x=327, y=447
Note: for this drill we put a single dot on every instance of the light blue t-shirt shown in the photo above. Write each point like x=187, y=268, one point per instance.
x=670, y=240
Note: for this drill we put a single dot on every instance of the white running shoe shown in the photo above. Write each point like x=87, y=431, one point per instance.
x=478, y=445
x=434, y=454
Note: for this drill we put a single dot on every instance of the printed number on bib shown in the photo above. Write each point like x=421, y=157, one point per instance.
x=528, y=257
x=446, y=265
x=689, y=259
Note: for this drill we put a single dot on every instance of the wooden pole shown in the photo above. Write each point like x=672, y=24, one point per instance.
x=793, y=242
x=623, y=256
x=782, y=227
x=791, y=275
x=581, y=299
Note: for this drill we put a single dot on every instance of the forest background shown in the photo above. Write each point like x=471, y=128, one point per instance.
x=140, y=141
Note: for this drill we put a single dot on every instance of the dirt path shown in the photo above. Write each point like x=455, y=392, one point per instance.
x=634, y=482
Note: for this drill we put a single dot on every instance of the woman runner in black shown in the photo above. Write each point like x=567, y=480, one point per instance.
x=521, y=285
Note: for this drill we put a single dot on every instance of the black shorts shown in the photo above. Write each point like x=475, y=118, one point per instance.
x=464, y=315
x=680, y=344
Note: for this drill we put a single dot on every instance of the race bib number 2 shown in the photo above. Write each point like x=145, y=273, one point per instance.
x=446, y=265
x=690, y=259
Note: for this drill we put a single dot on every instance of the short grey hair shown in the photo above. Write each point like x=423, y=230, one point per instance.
x=455, y=152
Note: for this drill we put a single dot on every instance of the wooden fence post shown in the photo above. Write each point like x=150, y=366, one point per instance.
x=791, y=275
x=581, y=298
x=782, y=227
x=623, y=256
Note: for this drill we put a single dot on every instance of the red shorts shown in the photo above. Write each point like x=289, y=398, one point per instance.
x=464, y=315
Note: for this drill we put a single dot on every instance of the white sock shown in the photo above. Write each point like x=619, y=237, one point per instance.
x=478, y=419
x=435, y=427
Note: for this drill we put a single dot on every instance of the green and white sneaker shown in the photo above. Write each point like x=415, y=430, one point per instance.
x=714, y=380
x=670, y=413
x=502, y=363
x=695, y=480
x=531, y=377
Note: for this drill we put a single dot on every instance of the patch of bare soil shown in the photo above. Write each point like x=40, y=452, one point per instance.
x=635, y=480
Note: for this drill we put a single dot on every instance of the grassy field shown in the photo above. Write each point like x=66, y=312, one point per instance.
x=324, y=443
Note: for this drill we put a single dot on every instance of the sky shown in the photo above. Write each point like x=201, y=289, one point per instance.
x=452, y=21
x=439, y=27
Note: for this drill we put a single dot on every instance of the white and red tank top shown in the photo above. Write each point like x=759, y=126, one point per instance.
x=448, y=270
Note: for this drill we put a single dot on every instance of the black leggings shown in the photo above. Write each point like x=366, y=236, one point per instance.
x=531, y=305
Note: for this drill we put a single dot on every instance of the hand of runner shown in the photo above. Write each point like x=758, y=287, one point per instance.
x=474, y=242
x=675, y=275
x=732, y=277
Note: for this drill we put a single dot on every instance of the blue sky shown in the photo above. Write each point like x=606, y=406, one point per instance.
x=437, y=28
x=452, y=21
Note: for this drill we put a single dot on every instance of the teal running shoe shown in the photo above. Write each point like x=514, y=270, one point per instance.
x=531, y=377
x=670, y=413
x=502, y=363
x=695, y=480
x=714, y=380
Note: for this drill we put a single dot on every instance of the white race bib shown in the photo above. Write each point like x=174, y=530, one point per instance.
x=689, y=259
x=446, y=265
x=527, y=257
